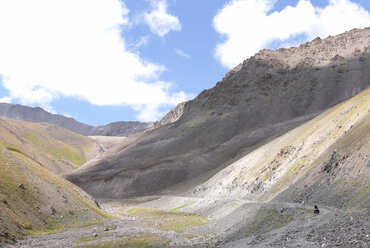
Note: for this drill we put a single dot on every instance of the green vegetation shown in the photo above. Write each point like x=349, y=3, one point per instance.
x=68, y=154
x=58, y=181
x=12, y=147
x=178, y=208
x=27, y=152
x=170, y=220
x=32, y=138
x=40, y=232
x=57, y=227
x=57, y=149
x=15, y=200
x=141, y=241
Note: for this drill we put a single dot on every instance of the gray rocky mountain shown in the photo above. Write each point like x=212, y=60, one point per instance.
x=171, y=116
x=259, y=100
x=37, y=114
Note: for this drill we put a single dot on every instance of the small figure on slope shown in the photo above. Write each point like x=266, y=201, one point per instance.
x=316, y=210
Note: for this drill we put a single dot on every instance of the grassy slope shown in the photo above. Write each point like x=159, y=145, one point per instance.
x=54, y=147
x=32, y=198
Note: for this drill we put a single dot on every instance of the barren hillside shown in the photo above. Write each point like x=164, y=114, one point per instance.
x=325, y=160
x=259, y=100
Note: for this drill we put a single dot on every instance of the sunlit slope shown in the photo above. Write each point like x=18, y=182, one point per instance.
x=32, y=198
x=324, y=161
x=264, y=97
x=56, y=148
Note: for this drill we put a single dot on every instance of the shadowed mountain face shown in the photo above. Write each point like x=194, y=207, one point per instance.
x=259, y=100
x=19, y=112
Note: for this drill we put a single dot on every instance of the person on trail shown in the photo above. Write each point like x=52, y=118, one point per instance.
x=316, y=210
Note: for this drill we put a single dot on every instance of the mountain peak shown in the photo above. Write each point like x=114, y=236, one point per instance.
x=262, y=98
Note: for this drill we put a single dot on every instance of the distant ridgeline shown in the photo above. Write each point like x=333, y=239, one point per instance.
x=37, y=114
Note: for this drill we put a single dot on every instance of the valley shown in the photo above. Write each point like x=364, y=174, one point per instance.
x=241, y=165
x=144, y=222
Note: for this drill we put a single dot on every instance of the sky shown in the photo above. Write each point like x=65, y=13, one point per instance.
x=101, y=61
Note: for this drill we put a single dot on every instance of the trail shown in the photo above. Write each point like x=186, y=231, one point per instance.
x=128, y=227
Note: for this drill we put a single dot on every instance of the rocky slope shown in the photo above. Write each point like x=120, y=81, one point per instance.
x=20, y=112
x=259, y=100
x=171, y=116
x=325, y=161
x=32, y=197
x=121, y=128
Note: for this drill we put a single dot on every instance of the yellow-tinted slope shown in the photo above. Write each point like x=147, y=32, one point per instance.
x=326, y=160
x=32, y=197
x=54, y=147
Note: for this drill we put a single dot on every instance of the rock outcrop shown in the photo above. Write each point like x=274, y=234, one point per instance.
x=259, y=100
x=172, y=116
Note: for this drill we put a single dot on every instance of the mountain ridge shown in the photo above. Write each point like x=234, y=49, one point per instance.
x=259, y=100
x=37, y=114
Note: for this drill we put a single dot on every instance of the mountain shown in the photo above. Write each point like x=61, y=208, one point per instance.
x=37, y=114
x=324, y=161
x=266, y=198
x=121, y=128
x=33, y=197
x=171, y=116
x=259, y=100
x=56, y=148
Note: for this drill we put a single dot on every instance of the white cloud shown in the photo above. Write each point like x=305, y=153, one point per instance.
x=159, y=21
x=182, y=53
x=5, y=99
x=248, y=26
x=69, y=48
x=142, y=42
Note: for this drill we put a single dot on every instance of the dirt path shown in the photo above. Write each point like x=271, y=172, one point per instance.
x=141, y=223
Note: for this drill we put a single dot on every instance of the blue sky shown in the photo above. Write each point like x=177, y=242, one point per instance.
x=101, y=61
